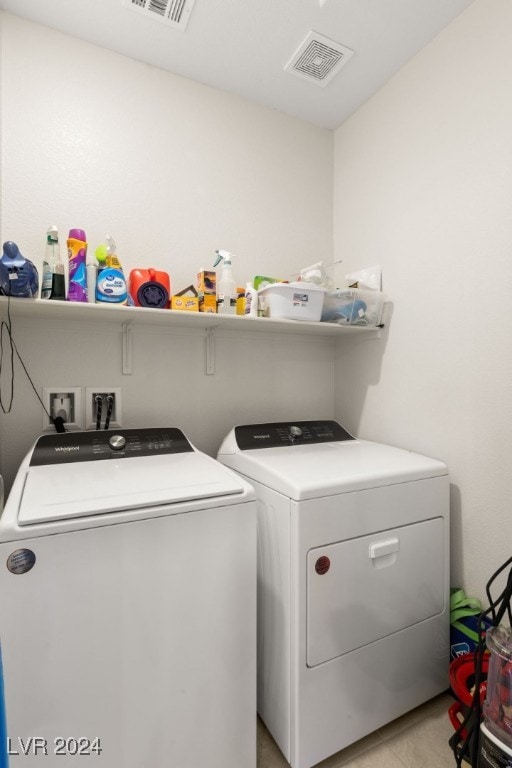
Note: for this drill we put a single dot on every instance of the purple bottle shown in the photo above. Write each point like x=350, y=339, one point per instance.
x=77, y=253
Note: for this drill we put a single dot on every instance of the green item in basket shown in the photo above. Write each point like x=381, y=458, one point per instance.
x=260, y=281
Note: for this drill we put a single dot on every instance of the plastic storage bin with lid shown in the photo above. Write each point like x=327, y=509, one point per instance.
x=292, y=301
x=353, y=306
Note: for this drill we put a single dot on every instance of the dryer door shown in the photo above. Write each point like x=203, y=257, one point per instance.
x=364, y=589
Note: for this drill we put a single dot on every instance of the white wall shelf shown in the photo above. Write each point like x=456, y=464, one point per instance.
x=130, y=317
x=111, y=313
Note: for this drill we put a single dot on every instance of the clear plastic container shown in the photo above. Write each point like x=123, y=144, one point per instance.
x=498, y=701
x=493, y=752
x=353, y=306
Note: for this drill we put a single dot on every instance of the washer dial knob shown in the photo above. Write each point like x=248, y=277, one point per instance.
x=117, y=442
x=295, y=432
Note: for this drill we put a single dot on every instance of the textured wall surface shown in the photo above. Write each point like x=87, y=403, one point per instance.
x=173, y=170
x=423, y=185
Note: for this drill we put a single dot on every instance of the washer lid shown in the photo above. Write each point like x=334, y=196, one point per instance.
x=324, y=469
x=78, y=489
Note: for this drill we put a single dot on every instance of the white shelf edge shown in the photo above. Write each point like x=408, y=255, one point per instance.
x=66, y=310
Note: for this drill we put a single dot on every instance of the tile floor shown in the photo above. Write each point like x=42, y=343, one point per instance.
x=419, y=739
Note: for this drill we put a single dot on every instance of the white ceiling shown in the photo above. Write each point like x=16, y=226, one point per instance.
x=242, y=46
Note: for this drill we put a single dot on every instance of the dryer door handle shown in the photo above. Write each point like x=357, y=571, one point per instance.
x=382, y=548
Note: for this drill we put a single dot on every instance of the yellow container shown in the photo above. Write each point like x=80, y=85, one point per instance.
x=208, y=303
x=185, y=303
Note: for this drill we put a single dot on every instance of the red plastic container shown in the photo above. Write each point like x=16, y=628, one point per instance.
x=150, y=288
x=462, y=681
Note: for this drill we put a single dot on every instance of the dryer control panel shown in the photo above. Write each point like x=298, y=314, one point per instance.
x=69, y=447
x=286, y=433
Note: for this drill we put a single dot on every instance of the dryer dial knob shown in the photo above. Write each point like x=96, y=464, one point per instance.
x=295, y=432
x=117, y=442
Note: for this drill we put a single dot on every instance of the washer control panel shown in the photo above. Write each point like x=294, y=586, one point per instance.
x=69, y=447
x=286, y=433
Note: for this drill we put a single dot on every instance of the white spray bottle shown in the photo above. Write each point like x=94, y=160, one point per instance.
x=226, y=286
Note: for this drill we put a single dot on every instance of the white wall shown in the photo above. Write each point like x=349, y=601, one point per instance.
x=423, y=186
x=423, y=183
x=173, y=170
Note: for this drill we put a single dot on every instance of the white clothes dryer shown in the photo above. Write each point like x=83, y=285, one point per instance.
x=128, y=604
x=353, y=581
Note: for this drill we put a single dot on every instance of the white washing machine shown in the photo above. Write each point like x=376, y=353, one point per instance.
x=353, y=581
x=128, y=605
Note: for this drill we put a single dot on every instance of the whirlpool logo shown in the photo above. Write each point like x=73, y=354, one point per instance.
x=67, y=448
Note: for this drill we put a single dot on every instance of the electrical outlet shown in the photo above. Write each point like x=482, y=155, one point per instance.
x=62, y=401
x=98, y=404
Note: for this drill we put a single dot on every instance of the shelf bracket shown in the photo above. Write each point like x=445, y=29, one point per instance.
x=210, y=351
x=127, y=349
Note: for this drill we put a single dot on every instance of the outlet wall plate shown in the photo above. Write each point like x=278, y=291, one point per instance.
x=90, y=407
x=75, y=399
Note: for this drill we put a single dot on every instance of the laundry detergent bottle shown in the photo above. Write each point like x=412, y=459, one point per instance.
x=18, y=275
x=77, y=254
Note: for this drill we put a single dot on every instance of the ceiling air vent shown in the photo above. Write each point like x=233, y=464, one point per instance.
x=318, y=59
x=175, y=13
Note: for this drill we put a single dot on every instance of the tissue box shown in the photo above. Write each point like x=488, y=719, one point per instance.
x=353, y=306
x=207, y=291
x=206, y=283
x=292, y=301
